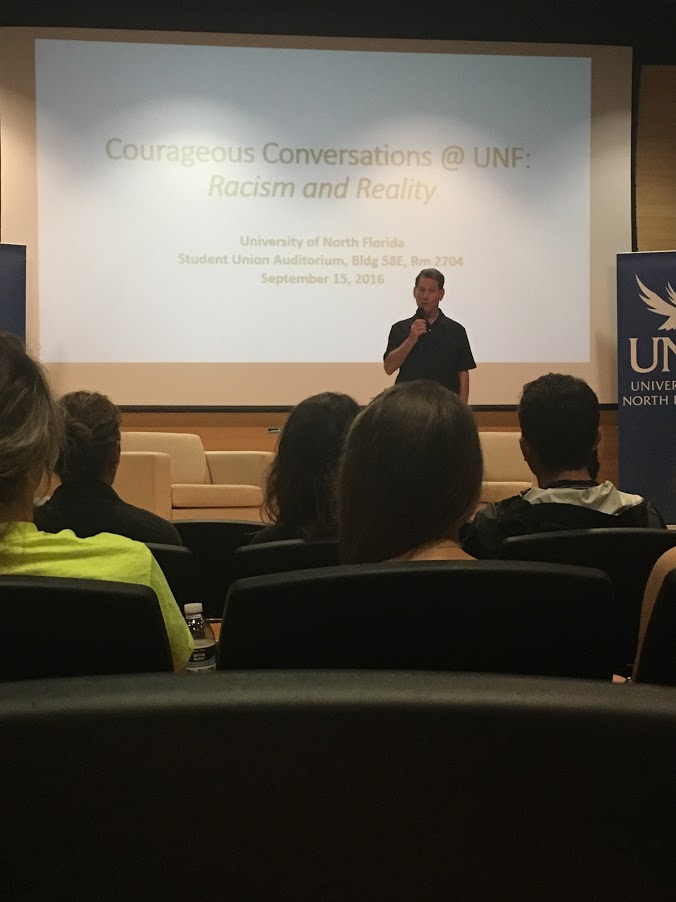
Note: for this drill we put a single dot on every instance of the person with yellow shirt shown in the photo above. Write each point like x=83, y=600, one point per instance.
x=31, y=434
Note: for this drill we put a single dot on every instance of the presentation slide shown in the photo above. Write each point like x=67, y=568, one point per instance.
x=254, y=205
x=237, y=221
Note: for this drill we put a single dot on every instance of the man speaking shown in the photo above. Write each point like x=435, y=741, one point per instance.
x=430, y=345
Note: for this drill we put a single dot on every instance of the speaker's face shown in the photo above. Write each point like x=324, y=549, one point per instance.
x=427, y=296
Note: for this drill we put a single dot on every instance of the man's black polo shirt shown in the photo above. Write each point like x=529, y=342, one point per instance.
x=439, y=355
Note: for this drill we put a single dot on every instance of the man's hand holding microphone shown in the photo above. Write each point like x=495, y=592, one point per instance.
x=419, y=326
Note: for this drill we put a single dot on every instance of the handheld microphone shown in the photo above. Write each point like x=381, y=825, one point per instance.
x=420, y=314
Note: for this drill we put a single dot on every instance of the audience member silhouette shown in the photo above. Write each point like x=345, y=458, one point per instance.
x=559, y=417
x=299, y=492
x=86, y=501
x=410, y=476
x=31, y=432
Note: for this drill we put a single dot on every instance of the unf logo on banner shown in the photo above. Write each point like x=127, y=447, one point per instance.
x=646, y=363
x=662, y=347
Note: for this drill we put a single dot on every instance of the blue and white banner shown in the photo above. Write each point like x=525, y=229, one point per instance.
x=13, y=289
x=646, y=387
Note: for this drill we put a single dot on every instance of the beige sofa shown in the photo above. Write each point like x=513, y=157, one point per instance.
x=506, y=473
x=217, y=485
x=171, y=475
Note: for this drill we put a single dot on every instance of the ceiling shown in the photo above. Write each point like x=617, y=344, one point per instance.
x=649, y=27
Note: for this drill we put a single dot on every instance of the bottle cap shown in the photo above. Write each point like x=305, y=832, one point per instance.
x=194, y=608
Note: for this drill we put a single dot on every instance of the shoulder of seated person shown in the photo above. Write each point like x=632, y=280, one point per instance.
x=108, y=541
x=496, y=508
x=149, y=518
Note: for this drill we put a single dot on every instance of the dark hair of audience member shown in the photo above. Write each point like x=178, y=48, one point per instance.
x=559, y=418
x=92, y=436
x=410, y=474
x=299, y=491
x=31, y=428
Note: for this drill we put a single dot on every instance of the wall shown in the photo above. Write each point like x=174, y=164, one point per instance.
x=656, y=160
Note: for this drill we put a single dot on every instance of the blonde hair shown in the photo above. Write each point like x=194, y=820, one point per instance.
x=31, y=424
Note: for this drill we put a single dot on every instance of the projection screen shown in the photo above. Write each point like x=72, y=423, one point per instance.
x=238, y=220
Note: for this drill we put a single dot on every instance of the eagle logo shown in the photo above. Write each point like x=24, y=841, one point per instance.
x=659, y=305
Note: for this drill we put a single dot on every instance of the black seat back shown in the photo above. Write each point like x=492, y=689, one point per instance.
x=213, y=543
x=657, y=662
x=374, y=787
x=54, y=627
x=178, y=565
x=482, y=616
x=626, y=555
x=281, y=557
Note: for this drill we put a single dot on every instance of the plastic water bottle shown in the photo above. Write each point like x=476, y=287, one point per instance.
x=203, y=658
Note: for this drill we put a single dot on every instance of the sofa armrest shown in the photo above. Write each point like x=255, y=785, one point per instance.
x=143, y=478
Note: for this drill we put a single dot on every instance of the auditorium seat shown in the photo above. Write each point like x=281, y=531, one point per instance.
x=626, y=555
x=53, y=627
x=283, y=556
x=213, y=544
x=506, y=473
x=207, y=485
x=327, y=787
x=490, y=616
x=177, y=563
x=656, y=657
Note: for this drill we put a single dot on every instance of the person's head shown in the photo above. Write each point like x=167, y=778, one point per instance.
x=559, y=418
x=410, y=474
x=30, y=424
x=299, y=491
x=428, y=290
x=92, y=438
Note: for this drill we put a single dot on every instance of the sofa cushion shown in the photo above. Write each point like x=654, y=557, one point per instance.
x=239, y=467
x=188, y=461
x=183, y=495
x=503, y=460
x=217, y=513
